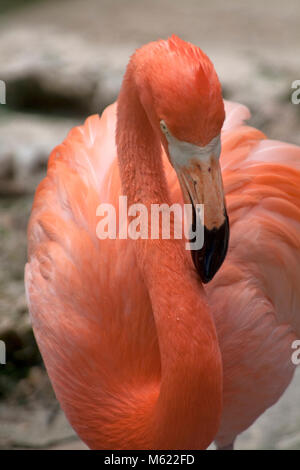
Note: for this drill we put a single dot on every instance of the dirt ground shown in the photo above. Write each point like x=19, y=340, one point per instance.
x=62, y=60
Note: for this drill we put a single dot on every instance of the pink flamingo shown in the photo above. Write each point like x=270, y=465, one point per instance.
x=140, y=354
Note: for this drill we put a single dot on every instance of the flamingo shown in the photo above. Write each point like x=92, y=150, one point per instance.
x=146, y=346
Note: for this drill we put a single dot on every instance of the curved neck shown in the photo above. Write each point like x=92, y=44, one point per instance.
x=185, y=409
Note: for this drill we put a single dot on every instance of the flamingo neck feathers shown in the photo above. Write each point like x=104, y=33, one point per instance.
x=183, y=411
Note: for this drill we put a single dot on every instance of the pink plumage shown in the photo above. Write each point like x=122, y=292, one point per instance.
x=92, y=312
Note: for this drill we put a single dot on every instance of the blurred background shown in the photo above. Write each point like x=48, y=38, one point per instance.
x=63, y=60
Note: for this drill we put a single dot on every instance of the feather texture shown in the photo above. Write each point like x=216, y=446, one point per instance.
x=86, y=295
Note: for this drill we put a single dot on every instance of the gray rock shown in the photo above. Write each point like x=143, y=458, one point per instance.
x=26, y=142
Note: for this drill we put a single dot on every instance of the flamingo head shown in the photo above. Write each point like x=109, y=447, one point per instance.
x=181, y=94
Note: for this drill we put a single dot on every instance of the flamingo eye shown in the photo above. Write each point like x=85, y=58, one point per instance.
x=164, y=127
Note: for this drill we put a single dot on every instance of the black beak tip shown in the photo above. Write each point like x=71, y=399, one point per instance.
x=210, y=257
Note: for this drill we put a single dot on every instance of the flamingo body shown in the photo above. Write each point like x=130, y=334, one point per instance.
x=92, y=312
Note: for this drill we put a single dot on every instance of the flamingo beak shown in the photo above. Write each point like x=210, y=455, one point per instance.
x=201, y=183
x=199, y=173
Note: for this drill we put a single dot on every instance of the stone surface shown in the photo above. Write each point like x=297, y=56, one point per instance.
x=26, y=142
